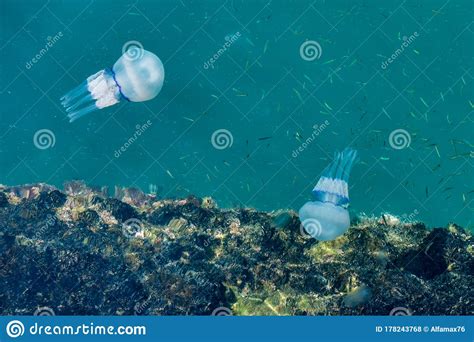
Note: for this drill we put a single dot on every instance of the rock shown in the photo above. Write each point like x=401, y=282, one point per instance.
x=73, y=252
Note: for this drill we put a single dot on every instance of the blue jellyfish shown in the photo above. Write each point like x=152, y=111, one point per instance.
x=137, y=76
x=327, y=216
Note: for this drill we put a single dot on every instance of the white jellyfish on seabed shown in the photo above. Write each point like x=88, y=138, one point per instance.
x=327, y=217
x=137, y=76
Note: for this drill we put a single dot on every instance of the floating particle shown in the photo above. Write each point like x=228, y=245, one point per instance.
x=265, y=47
x=424, y=102
x=298, y=94
x=327, y=106
x=309, y=79
x=328, y=62
x=383, y=109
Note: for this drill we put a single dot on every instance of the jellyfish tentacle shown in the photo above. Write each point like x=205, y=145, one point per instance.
x=75, y=92
x=81, y=112
x=332, y=186
x=85, y=99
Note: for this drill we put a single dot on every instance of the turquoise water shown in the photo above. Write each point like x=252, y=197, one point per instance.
x=262, y=89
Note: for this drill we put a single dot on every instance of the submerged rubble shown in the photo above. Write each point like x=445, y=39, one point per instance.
x=81, y=252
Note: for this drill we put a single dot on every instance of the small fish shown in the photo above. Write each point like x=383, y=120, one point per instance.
x=328, y=62
x=264, y=138
x=169, y=174
x=422, y=100
x=265, y=47
x=298, y=94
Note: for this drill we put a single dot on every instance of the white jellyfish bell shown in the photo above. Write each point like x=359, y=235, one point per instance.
x=137, y=76
x=327, y=216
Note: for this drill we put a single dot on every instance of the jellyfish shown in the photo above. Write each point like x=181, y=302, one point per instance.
x=137, y=76
x=327, y=216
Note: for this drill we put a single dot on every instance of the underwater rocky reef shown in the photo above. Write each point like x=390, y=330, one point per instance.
x=79, y=251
